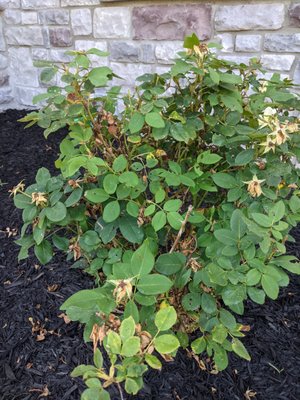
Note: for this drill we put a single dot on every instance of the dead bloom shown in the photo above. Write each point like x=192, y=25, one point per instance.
x=254, y=187
x=17, y=189
x=123, y=289
x=38, y=198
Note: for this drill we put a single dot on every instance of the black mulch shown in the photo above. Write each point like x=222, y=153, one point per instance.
x=31, y=296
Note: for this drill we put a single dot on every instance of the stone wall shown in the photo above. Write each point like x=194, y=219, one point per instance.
x=141, y=36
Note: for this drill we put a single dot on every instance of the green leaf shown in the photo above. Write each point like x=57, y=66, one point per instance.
x=96, y=195
x=240, y=349
x=95, y=394
x=154, y=284
x=159, y=220
x=120, y=163
x=277, y=212
x=165, y=318
x=166, y=344
x=220, y=358
x=89, y=299
x=217, y=275
x=172, y=205
x=294, y=204
x=191, y=301
x=127, y=328
x=136, y=122
x=208, y=158
x=169, y=264
x=175, y=220
x=233, y=295
x=131, y=346
x=208, y=303
x=98, y=359
x=262, y=220
x=256, y=295
x=219, y=334
x=131, y=310
x=99, y=76
x=153, y=361
x=226, y=236
x=191, y=41
x=180, y=67
x=131, y=386
x=111, y=211
x=57, y=212
x=22, y=201
x=110, y=183
x=129, y=178
x=43, y=252
x=214, y=76
x=155, y=120
x=244, y=157
x=142, y=261
x=227, y=319
x=237, y=224
x=113, y=342
x=270, y=286
x=223, y=180
x=130, y=229
x=133, y=209
x=253, y=277
x=198, y=345
x=74, y=197
x=47, y=74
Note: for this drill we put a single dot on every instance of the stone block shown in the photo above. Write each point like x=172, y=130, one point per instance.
x=58, y=55
x=124, y=51
x=2, y=40
x=147, y=53
x=12, y=16
x=294, y=14
x=21, y=67
x=112, y=22
x=4, y=4
x=39, y=53
x=34, y=4
x=54, y=17
x=248, y=43
x=85, y=45
x=297, y=74
x=227, y=42
x=66, y=3
x=166, y=52
x=29, y=18
x=81, y=21
x=26, y=94
x=60, y=37
x=282, y=42
x=129, y=72
x=249, y=17
x=171, y=22
x=24, y=36
x=277, y=62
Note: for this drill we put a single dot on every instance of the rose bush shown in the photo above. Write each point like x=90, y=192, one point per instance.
x=179, y=205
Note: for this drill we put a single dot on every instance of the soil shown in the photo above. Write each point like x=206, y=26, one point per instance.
x=38, y=350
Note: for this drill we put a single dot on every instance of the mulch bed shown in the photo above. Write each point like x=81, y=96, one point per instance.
x=36, y=365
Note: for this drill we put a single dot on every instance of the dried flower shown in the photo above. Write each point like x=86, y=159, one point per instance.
x=268, y=118
x=123, y=288
x=269, y=144
x=254, y=187
x=263, y=87
x=39, y=198
x=17, y=189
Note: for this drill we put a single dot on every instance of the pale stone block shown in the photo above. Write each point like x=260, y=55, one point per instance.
x=5, y=95
x=277, y=62
x=29, y=18
x=24, y=36
x=12, y=16
x=26, y=94
x=166, y=52
x=3, y=61
x=4, y=4
x=249, y=16
x=54, y=17
x=282, y=42
x=66, y=3
x=248, y=43
x=129, y=72
x=226, y=41
x=112, y=22
x=33, y=4
x=81, y=20
x=22, y=70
